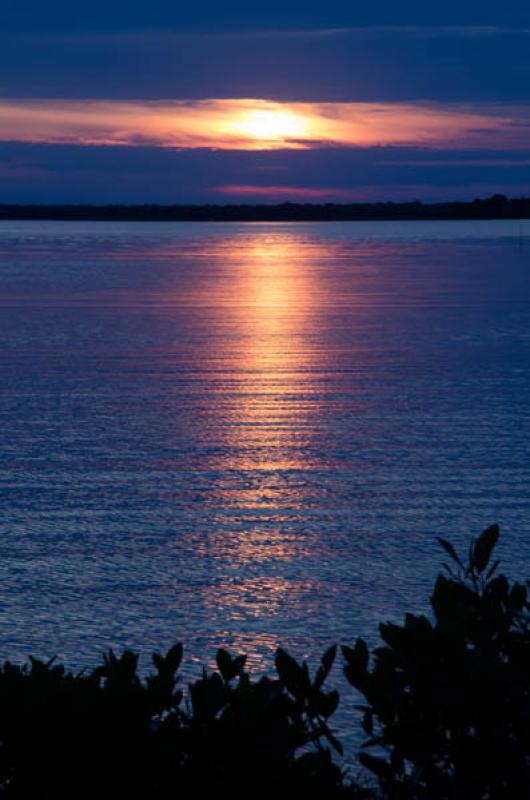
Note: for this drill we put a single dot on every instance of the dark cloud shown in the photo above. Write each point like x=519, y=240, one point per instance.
x=374, y=65
x=241, y=15
x=45, y=173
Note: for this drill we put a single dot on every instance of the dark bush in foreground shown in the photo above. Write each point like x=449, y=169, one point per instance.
x=446, y=711
x=448, y=701
x=108, y=734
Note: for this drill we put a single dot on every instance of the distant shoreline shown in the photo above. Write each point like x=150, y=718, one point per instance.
x=496, y=207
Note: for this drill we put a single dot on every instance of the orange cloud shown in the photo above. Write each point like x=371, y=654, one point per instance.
x=287, y=192
x=262, y=124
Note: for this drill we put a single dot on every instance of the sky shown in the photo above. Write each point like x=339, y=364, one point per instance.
x=123, y=101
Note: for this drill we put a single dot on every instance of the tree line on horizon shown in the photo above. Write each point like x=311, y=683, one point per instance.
x=496, y=207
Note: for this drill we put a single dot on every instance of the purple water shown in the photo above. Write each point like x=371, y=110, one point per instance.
x=251, y=434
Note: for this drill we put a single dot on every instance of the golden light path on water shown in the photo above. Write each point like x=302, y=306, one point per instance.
x=276, y=290
x=265, y=412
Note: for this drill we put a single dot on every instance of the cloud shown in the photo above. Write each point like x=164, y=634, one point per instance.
x=101, y=15
x=376, y=63
x=294, y=193
x=254, y=124
x=176, y=37
x=366, y=193
x=73, y=173
x=511, y=163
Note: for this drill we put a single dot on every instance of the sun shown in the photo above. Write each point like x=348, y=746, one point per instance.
x=272, y=126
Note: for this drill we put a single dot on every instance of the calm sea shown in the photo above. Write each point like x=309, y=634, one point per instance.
x=251, y=434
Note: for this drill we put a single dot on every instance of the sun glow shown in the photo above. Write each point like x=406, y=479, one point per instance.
x=272, y=126
x=254, y=124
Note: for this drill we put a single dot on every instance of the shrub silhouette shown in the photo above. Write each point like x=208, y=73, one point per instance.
x=448, y=702
x=110, y=734
x=446, y=711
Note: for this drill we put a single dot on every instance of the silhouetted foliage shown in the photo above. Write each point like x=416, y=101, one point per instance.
x=448, y=702
x=108, y=733
x=446, y=711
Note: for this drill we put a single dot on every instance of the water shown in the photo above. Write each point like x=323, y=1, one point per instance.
x=251, y=434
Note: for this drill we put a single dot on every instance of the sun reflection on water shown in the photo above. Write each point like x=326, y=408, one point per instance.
x=273, y=394
x=265, y=412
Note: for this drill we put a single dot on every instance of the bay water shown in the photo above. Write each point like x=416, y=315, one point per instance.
x=251, y=434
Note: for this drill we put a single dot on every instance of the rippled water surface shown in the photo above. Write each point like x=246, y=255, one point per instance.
x=251, y=434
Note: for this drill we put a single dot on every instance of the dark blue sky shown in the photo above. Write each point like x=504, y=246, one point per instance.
x=93, y=15
x=465, y=55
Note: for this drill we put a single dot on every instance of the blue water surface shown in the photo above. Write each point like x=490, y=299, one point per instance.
x=251, y=434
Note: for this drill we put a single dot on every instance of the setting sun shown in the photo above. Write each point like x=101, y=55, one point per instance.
x=272, y=126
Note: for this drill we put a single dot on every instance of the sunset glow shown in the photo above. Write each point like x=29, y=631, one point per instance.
x=262, y=125
x=273, y=127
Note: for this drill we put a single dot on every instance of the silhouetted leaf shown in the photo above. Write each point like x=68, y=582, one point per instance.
x=224, y=663
x=229, y=666
x=174, y=657
x=448, y=547
x=326, y=664
x=394, y=635
x=484, y=547
x=356, y=658
x=450, y=597
x=291, y=674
